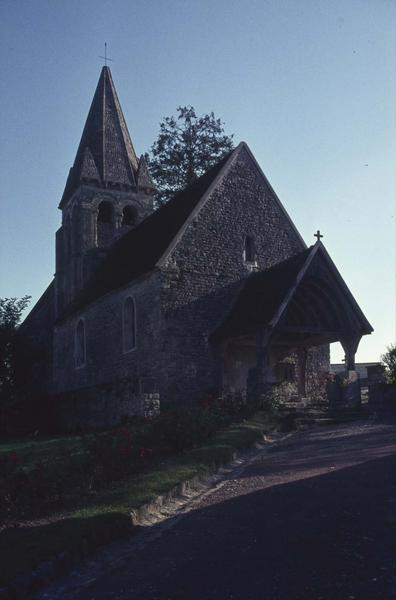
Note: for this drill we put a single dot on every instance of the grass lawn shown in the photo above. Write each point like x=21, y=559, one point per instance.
x=42, y=449
x=48, y=449
x=105, y=516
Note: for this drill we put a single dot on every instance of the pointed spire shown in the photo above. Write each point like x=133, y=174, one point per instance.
x=144, y=180
x=105, y=155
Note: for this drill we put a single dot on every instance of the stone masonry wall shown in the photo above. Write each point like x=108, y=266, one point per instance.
x=177, y=307
x=105, y=405
x=107, y=365
x=204, y=273
x=318, y=365
x=82, y=242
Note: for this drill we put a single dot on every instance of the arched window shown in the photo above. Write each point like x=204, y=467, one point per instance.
x=128, y=216
x=105, y=212
x=250, y=253
x=79, y=344
x=129, y=324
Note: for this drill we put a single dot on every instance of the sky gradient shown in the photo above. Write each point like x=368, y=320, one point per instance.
x=308, y=84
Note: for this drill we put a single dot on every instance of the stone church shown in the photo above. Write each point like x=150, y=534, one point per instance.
x=210, y=294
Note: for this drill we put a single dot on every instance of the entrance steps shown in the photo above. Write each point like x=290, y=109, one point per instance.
x=300, y=414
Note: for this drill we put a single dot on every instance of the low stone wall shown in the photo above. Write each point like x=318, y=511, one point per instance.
x=382, y=396
x=343, y=391
x=106, y=405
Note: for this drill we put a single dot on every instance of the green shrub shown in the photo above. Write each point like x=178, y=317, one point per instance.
x=31, y=492
x=180, y=429
x=35, y=489
x=389, y=359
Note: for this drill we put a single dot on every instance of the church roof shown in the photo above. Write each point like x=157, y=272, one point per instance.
x=105, y=155
x=266, y=295
x=261, y=295
x=139, y=250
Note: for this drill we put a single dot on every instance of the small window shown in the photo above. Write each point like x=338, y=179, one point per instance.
x=129, y=324
x=128, y=216
x=80, y=344
x=250, y=254
x=105, y=212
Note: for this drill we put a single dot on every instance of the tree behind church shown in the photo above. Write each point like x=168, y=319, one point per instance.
x=389, y=359
x=186, y=147
x=13, y=356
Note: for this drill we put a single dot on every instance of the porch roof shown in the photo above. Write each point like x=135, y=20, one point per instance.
x=300, y=301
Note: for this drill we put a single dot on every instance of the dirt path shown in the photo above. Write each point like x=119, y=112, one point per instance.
x=312, y=517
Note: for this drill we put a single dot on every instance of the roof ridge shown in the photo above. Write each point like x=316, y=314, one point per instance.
x=283, y=262
x=126, y=138
x=275, y=196
x=155, y=233
x=273, y=293
x=219, y=171
x=174, y=201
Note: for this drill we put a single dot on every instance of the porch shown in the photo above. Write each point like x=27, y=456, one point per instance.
x=281, y=316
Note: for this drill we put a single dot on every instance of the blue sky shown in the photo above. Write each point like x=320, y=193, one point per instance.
x=308, y=84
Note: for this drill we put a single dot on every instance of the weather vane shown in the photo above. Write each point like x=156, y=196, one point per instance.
x=105, y=57
x=318, y=235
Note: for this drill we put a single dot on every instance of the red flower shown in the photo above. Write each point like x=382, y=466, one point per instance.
x=145, y=452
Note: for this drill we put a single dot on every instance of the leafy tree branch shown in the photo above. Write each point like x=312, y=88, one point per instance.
x=186, y=147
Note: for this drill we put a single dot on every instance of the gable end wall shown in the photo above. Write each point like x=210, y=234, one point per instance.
x=206, y=268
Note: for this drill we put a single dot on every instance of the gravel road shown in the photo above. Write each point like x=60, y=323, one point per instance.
x=309, y=517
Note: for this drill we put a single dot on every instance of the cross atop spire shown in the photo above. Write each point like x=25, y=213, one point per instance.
x=318, y=235
x=105, y=57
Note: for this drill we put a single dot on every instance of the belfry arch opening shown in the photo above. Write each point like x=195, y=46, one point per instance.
x=105, y=223
x=128, y=216
x=105, y=212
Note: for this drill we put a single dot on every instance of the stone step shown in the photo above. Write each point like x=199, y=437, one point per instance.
x=309, y=417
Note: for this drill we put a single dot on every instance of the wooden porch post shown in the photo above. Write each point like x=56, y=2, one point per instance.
x=351, y=394
x=258, y=380
x=261, y=350
x=350, y=346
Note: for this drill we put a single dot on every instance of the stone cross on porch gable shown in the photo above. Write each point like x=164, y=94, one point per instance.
x=318, y=235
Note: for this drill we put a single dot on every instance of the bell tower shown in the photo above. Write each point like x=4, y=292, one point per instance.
x=108, y=191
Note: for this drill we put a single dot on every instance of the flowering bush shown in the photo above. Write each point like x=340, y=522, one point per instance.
x=30, y=491
x=27, y=492
x=145, y=452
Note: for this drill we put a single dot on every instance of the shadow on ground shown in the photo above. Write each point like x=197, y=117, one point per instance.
x=283, y=530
